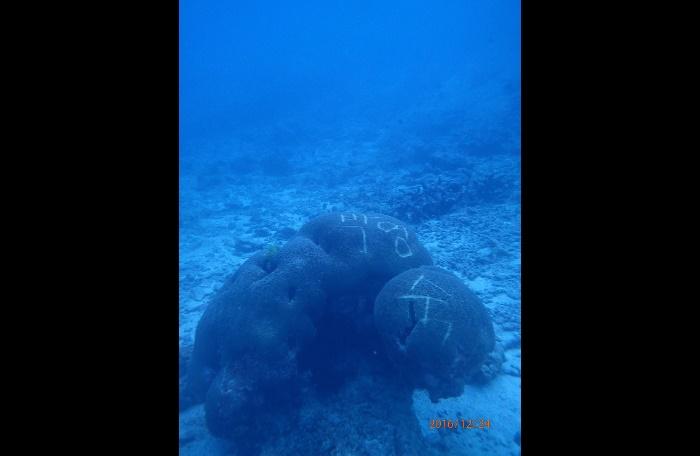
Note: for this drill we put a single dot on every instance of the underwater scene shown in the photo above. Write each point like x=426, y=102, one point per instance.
x=349, y=233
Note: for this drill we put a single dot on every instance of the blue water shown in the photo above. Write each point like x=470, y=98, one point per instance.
x=291, y=110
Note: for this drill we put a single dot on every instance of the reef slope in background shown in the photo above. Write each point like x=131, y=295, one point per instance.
x=467, y=217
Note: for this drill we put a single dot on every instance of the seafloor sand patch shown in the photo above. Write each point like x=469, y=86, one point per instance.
x=498, y=401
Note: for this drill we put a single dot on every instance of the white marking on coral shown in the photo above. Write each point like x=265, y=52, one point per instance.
x=436, y=286
x=420, y=297
x=426, y=310
x=389, y=226
x=386, y=230
x=422, y=276
x=364, y=237
x=396, y=248
x=447, y=333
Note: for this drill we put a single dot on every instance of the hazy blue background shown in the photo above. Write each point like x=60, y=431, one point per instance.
x=302, y=70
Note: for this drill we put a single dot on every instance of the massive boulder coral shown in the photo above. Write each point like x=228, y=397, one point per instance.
x=308, y=317
x=260, y=325
x=434, y=328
